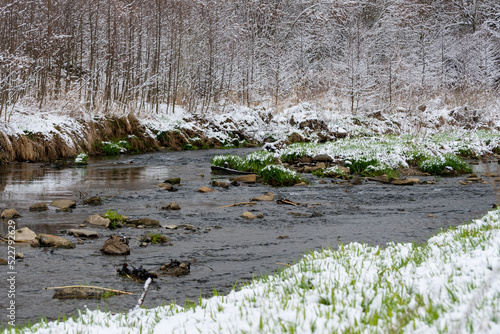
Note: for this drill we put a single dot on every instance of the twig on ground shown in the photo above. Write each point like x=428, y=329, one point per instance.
x=238, y=204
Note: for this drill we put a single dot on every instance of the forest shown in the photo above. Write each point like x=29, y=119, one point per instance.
x=357, y=55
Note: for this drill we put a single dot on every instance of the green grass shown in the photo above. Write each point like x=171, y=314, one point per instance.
x=115, y=147
x=81, y=159
x=437, y=165
x=157, y=238
x=279, y=176
x=116, y=220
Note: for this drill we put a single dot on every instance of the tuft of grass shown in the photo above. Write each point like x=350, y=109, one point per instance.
x=116, y=220
x=81, y=159
x=279, y=176
x=437, y=165
x=157, y=238
x=115, y=147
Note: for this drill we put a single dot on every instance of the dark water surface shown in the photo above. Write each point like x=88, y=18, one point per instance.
x=237, y=251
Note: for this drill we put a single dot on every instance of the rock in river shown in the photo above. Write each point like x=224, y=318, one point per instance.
x=406, y=182
x=10, y=213
x=205, y=190
x=266, y=197
x=48, y=240
x=171, y=206
x=83, y=233
x=146, y=222
x=175, y=268
x=94, y=201
x=247, y=215
x=116, y=245
x=42, y=206
x=25, y=234
x=252, y=178
x=97, y=220
x=63, y=204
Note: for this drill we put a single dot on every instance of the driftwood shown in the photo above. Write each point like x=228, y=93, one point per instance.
x=18, y=241
x=229, y=170
x=238, y=204
x=92, y=287
x=286, y=201
x=84, y=292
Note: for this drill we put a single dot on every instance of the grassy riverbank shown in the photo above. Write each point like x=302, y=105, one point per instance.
x=448, y=285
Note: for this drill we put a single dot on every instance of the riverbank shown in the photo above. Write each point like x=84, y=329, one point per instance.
x=35, y=135
x=448, y=285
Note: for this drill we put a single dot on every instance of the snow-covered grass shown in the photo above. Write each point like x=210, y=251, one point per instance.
x=451, y=284
x=391, y=152
x=253, y=162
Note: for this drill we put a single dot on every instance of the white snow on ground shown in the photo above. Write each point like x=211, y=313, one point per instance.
x=257, y=123
x=449, y=285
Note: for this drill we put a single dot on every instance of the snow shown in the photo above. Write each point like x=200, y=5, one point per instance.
x=451, y=284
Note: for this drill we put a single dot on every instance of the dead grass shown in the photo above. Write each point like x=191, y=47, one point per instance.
x=38, y=147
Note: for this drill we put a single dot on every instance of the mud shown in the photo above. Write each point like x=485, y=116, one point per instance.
x=224, y=250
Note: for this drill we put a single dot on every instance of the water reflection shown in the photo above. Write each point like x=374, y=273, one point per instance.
x=20, y=182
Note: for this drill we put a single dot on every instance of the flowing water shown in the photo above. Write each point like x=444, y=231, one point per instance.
x=225, y=250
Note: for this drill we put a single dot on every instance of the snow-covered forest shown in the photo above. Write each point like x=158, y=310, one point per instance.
x=356, y=55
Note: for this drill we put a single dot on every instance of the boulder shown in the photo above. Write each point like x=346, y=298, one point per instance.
x=42, y=206
x=25, y=234
x=9, y=214
x=171, y=206
x=251, y=178
x=94, y=201
x=3, y=262
x=116, y=245
x=406, y=182
x=48, y=240
x=322, y=158
x=97, y=220
x=83, y=233
x=146, y=222
x=248, y=215
x=205, y=190
x=266, y=197
x=63, y=204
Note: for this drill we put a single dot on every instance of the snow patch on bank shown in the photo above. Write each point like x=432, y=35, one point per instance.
x=451, y=284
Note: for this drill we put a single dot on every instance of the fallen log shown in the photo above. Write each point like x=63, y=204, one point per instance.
x=229, y=170
x=84, y=292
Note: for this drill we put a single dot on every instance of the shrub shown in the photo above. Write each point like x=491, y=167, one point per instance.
x=436, y=165
x=279, y=176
